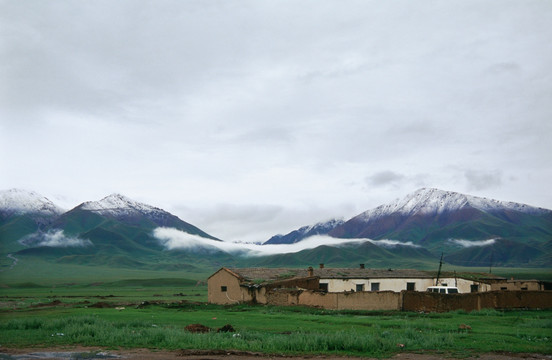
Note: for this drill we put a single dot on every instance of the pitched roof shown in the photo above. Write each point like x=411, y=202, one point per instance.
x=268, y=274
x=260, y=275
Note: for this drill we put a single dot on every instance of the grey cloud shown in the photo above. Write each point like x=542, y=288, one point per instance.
x=505, y=68
x=384, y=178
x=481, y=180
x=256, y=213
x=266, y=134
x=280, y=104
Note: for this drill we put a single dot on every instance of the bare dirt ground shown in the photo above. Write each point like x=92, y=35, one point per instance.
x=88, y=353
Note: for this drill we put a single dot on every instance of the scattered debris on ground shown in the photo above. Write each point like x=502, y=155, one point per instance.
x=226, y=328
x=197, y=328
x=51, y=303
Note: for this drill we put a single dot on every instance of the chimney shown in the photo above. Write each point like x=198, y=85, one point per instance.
x=362, y=266
x=310, y=271
x=321, y=266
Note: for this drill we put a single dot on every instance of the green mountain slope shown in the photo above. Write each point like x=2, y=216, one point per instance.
x=13, y=229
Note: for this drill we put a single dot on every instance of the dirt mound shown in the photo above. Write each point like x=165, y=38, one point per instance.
x=197, y=328
x=102, y=305
x=52, y=303
x=226, y=328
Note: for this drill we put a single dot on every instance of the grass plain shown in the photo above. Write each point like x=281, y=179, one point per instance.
x=153, y=313
x=45, y=304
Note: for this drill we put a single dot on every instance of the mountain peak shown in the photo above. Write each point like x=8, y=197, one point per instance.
x=436, y=201
x=19, y=201
x=117, y=204
x=321, y=228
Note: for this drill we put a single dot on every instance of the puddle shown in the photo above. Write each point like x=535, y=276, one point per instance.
x=61, y=356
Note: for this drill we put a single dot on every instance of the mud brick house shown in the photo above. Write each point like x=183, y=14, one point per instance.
x=523, y=285
x=229, y=286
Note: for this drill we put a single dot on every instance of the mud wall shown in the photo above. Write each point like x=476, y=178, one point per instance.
x=411, y=300
x=224, y=288
x=422, y=301
x=318, y=299
x=380, y=300
x=432, y=302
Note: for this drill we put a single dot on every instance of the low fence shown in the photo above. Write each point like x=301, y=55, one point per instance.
x=411, y=300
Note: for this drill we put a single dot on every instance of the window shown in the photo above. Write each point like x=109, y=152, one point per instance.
x=474, y=288
x=524, y=288
x=444, y=284
x=359, y=287
x=223, y=288
x=323, y=287
x=410, y=286
x=442, y=291
x=374, y=287
x=503, y=288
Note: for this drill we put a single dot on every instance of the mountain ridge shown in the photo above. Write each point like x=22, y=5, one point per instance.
x=433, y=201
x=119, y=230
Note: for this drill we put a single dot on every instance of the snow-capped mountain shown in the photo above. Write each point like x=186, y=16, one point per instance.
x=119, y=206
x=131, y=212
x=435, y=219
x=22, y=202
x=430, y=201
x=113, y=225
x=321, y=228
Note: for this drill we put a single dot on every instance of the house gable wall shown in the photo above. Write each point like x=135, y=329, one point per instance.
x=234, y=292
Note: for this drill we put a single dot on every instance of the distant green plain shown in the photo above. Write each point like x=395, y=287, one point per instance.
x=32, y=270
x=52, y=305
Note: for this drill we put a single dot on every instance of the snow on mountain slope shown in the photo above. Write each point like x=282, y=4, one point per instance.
x=136, y=213
x=117, y=205
x=320, y=228
x=434, y=201
x=18, y=202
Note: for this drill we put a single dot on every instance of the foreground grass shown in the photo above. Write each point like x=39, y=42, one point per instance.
x=277, y=330
x=153, y=313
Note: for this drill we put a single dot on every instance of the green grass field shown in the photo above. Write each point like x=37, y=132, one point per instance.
x=153, y=313
x=48, y=305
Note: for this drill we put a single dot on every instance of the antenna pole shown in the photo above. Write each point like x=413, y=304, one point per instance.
x=439, y=272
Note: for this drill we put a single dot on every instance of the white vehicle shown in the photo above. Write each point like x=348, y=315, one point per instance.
x=443, y=289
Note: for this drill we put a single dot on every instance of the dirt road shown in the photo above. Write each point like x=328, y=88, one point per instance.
x=76, y=353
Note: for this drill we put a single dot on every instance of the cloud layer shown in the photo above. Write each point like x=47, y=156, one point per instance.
x=174, y=239
x=473, y=243
x=54, y=238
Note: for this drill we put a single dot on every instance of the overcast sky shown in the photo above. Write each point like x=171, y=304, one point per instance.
x=252, y=118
